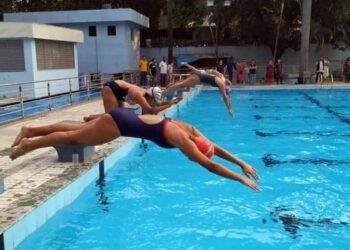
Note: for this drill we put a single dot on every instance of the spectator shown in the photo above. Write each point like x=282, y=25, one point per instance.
x=153, y=69
x=163, y=67
x=319, y=70
x=241, y=72
x=231, y=68
x=252, y=72
x=143, y=66
x=346, y=70
x=269, y=72
x=326, y=69
x=279, y=71
x=220, y=67
x=170, y=72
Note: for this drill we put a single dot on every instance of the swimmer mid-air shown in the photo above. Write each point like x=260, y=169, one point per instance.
x=166, y=132
x=212, y=77
x=115, y=92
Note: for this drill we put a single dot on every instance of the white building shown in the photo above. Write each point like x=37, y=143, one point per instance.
x=32, y=52
x=111, y=36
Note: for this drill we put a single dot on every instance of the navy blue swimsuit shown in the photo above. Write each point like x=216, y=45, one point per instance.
x=118, y=92
x=131, y=125
x=207, y=78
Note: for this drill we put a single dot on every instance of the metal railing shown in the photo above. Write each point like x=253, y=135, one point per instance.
x=23, y=99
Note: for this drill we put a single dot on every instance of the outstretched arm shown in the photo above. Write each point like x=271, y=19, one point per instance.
x=226, y=98
x=248, y=170
x=188, y=147
x=156, y=109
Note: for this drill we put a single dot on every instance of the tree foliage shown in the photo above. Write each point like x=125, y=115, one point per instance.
x=249, y=22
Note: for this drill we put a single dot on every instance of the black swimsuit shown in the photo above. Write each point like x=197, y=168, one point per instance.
x=119, y=92
x=131, y=125
x=207, y=78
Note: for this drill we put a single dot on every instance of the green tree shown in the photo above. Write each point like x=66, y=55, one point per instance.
x=256, y=22
x=331, y=23
x=5, y=6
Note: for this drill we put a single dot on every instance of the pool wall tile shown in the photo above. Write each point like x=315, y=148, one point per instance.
x=13, y=236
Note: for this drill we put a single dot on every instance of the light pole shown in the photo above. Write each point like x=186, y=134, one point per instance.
x=170, y=30
x=305, y=38
x=278, y=31
x=219, y=4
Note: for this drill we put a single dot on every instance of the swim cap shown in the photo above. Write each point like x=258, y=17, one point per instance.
x=204, y=146
x=156, y=93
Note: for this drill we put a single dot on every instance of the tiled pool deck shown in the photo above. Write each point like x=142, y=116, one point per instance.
x=37, y=176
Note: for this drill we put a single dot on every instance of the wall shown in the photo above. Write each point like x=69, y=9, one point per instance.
x=58, y=86
x=107, y=54
x=335, y=56
x=19, y=77
x=260, y=54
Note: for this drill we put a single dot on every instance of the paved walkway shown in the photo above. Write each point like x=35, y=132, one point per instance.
x=34, y=177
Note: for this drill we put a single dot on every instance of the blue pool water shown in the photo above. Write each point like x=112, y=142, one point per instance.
x=158, y=199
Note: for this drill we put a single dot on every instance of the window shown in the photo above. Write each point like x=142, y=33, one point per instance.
x=111, y=30
x=54, y=54
x=92, y=30
x=11, y=56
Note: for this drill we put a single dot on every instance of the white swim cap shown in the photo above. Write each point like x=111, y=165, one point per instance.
x=156, y=93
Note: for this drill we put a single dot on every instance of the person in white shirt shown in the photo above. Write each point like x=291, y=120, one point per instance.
x=163, y=68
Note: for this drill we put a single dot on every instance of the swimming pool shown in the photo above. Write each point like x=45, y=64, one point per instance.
x=158, y=199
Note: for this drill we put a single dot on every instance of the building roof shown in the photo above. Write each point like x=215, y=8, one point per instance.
x=10, y=30
x=80, y=16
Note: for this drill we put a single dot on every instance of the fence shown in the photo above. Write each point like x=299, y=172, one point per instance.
x=20, y=100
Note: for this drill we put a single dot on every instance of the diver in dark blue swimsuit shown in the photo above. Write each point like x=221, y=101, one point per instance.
x=212, y=77
x=165, y=132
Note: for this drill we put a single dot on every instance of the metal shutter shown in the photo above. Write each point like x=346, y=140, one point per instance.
x=11, y=56
x=54, y=54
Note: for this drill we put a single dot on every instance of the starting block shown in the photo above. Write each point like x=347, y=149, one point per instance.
x=74, y=153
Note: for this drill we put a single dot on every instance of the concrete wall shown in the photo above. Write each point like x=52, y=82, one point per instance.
x=32, y=74
x=16, y=77
x=108, y=54
x=335, y=56
x=58, y=86
x=260, y=54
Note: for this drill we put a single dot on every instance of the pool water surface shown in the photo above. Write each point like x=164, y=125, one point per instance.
x=298, y=140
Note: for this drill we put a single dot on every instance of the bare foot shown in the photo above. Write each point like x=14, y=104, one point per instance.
x=21, y=149
x=23, y=133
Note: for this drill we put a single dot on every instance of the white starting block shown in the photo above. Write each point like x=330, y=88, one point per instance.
x=74, y=153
